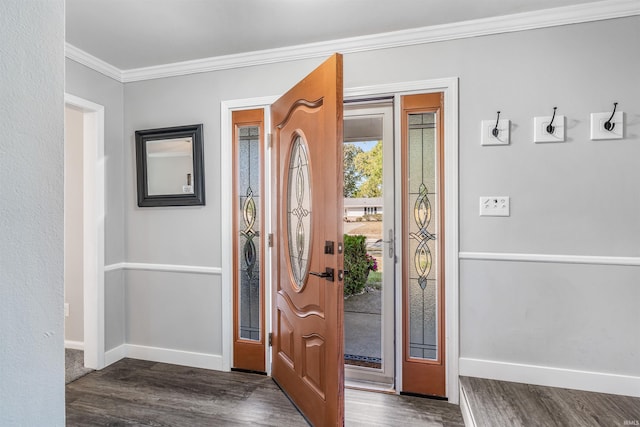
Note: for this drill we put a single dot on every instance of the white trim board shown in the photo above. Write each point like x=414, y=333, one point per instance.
x=92, y=228
x=88, y=60
x=550, y=258
x=575, y=14
x=165, y=355
x=74, y=345
x=115, y=354
x=172, y=268
x=599, y=382
x=226, y=181
x=467, y=415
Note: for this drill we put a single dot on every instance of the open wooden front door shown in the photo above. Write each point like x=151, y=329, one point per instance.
x=308, y=353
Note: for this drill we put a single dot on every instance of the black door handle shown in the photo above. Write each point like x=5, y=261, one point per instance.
x=327, y=274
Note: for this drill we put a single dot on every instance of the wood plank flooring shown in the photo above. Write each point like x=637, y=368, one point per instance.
x=500, y=403
x=134, y=392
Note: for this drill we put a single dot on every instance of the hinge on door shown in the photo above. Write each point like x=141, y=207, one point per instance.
x=270, y=240
x=270, y=339
x=269, y=140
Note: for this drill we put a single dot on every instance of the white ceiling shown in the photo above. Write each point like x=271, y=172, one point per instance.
x=141, y=33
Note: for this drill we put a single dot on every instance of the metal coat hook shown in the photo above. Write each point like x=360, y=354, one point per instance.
x=495, y=130
x=550, y=127
x=609, y=125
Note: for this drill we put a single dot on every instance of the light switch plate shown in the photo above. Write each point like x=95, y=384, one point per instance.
x=494, y=206
x=597, y=126
x=486, y=135
x=66, y=309
x=540, y=133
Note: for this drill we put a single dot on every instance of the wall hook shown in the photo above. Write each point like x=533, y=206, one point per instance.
x=609, y=125
x=550, y=127
x=495, y=130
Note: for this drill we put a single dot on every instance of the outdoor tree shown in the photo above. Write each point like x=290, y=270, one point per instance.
x=369, y=166
x=352, y=176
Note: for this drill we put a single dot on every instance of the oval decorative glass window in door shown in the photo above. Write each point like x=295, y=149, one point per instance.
x=299, y=212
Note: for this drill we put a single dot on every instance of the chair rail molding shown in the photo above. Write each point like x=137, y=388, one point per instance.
x=173, y=268
x=551, y=258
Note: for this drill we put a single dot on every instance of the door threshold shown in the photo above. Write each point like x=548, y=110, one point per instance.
x=369, y=386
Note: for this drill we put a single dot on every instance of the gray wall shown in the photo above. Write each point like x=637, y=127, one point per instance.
x=31, y=213
x=182, y=311
x=556, y=315
x=573, y=198
x=73, y=220
x=570, y=198
x=171, y=310
x=95, y=87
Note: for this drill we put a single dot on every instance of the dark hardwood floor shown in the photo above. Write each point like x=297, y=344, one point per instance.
x=134, y=392
x=500, y=403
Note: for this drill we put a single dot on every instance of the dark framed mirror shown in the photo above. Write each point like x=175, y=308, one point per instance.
x=170, y=166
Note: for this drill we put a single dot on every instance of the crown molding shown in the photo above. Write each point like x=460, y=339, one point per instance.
x=96, y=64
x=566, y=15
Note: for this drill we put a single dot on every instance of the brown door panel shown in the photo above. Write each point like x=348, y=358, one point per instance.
x=307, y=196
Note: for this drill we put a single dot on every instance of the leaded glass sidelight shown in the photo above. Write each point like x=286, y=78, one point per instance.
x=422, y=218
x=249, y=236
x=299, y=212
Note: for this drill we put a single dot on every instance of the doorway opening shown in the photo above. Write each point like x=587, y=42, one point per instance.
x=368, y=225
x=449, y=171
x=88, y=334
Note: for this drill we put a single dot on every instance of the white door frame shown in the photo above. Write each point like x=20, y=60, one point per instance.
x=93, y=228
x=226, y=184
x=449, y=86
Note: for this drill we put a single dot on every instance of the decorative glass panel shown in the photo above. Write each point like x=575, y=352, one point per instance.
x=249, y=227
x=422, y=220
x=299, y=212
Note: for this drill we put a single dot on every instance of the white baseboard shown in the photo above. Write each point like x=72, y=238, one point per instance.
x=165, y=355
x=625, y=385
x=467, y=415
x=176, y=357
x=115, y=354
x=75, y=345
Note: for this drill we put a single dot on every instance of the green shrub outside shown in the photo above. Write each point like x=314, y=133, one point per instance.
x=356, y=263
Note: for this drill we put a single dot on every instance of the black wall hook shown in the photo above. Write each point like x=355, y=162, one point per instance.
x=495, y=130
x=609, y=125
x=550, y=127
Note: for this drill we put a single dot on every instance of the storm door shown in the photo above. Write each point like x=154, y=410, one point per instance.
x=369, y=288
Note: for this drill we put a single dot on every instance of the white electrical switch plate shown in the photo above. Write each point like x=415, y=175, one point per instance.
x=486, y=135
x=597, y=126
x=540, y=133
x=494, y=206
x=66, y=309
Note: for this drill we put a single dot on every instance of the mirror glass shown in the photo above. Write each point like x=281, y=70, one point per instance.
x=170, y=166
